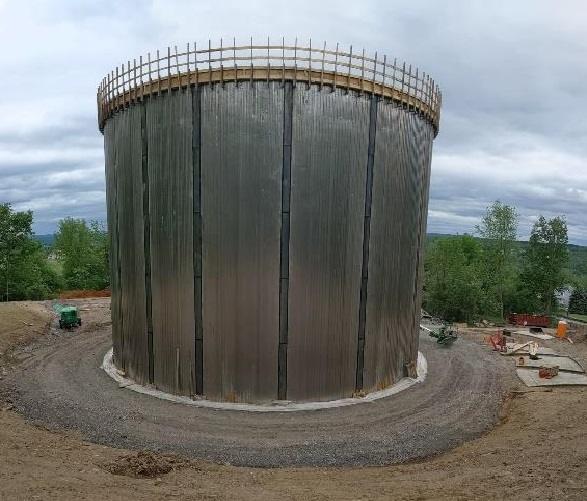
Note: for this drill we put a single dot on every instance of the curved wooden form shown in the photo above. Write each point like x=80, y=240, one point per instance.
x=401, y=83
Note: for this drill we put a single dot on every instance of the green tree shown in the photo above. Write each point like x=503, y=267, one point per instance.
x=578, y=301
x=545, y=262
x=498, y=229
x=82, y=250
x=453, y=285
x=24, y=269
x=15, y=229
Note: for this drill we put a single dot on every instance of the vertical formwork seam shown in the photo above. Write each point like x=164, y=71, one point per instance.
x=284, y=242
x=422, y=222
x=147, y=238
x=366, y=238
x=197, y=238
x=118, y=266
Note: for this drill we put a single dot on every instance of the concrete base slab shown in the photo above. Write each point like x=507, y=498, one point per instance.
x=564, y=363
x=277, y=406
x=530, y=378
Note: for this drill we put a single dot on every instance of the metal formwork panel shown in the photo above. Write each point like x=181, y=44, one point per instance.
x=169, y=143
x=111, y=204
x=328, y=172
x=425, y=140
x=393, y=247
x=128, y=144
x=241, y=165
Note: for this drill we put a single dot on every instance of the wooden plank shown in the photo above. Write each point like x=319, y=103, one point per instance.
x=331, y=78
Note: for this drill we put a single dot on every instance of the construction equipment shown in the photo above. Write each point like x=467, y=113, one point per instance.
x=68, y=316
x=444, y=335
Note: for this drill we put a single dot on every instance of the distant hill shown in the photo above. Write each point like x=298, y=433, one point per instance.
x=577, y=253
x=432, y=236
x=46, y=240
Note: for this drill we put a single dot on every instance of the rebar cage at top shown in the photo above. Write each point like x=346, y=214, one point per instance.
x=194, y=65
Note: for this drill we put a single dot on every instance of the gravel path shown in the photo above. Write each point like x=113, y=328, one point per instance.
x=59, y=384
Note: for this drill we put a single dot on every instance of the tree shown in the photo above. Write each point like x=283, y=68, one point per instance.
x=498, y=229
x=32, y=276
x=545, y=261
x=24, y=269
x=453, y=285
x=15, y=228
x=82, y=249
x=578, y=301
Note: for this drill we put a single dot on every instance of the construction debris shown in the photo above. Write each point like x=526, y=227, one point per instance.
x=548, y=371
x=531, y=378
x=564, y=363
x=513, y=348
x=498, y=342
x=537, y=365
x=531, y=333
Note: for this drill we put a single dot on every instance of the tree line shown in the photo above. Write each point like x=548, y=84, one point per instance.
x=467, y=277
x=78, y=258
x=488, y=275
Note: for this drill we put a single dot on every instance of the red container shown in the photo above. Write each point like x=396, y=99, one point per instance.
x=529, y=320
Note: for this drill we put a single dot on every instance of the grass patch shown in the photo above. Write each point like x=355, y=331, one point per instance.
x=576, y=316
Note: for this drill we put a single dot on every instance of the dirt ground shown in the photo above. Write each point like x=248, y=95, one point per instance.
x=538, y=451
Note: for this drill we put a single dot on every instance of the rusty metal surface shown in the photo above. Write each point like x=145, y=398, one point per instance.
x=169, y=134
x=112, y=222
x=329, y=156
x=128, y=146
x=241, y=168
x=396, y=221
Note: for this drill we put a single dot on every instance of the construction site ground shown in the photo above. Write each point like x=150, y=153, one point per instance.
x=536, y=449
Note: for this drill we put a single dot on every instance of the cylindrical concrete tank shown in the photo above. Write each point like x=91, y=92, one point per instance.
x=266, y=209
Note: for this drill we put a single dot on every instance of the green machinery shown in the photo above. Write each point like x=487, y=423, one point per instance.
x=68, y=316
x=444, y=335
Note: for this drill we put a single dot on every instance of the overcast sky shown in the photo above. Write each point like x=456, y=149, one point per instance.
x=513, y=76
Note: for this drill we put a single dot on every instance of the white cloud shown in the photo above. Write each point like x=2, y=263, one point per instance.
x=513, y=76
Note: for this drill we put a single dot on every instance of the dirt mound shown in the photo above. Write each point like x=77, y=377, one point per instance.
x=81, y=294
x=145, y=464
x=20, y=324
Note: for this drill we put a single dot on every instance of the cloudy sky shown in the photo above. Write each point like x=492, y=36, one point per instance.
x=513, y=76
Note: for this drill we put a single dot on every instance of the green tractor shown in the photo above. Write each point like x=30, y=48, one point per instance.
x=68, y=317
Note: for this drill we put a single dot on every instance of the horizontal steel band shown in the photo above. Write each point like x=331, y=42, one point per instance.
x=139, y=90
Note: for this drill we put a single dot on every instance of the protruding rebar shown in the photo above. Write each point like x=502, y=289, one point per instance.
x=128, y=84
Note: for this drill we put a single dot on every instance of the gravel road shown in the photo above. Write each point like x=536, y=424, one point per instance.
x=59, y=384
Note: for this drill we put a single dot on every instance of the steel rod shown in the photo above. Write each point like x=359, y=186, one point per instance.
x=360, y=72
